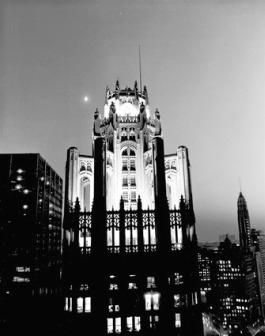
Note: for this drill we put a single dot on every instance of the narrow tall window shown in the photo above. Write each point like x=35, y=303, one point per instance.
x=87, y=304
x=110, y=325
x=177, y=320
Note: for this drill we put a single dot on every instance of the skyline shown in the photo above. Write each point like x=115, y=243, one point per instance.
x=206, y=78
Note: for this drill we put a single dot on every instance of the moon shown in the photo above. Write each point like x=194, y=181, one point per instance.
x=86, y=99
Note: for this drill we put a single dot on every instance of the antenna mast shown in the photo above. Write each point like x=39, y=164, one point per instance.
x=140, y=68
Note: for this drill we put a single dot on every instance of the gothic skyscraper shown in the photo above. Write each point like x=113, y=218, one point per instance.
x=128, y=126
x=130, y=253
x=243, y=222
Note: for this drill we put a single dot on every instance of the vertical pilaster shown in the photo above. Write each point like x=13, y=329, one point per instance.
x=166, y=317
x=71, y=192
x=99, y=274
x=140, y=226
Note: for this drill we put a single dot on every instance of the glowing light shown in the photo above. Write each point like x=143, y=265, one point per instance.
x=26, y=191
x=25, y=206
x=86, y=99
x=19, y=178
x=20, y=171
x=18, y=186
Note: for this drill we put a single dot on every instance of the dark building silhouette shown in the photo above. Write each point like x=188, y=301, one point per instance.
x=130, y=264
x=30, y=243
x=258, y=244
x=229, y=282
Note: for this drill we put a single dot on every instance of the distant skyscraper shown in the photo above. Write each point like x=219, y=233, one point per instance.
x=231, y=237
x=243, y=222
x=130, y=259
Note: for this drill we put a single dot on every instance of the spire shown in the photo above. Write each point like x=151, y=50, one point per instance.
x=140, y=67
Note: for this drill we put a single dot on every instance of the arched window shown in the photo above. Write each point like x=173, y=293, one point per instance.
x=124, y=153
x=132, y=152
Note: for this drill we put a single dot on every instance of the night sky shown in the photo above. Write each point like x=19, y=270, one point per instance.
x=202, y=61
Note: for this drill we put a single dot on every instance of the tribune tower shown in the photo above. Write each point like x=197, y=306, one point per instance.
x=128, y=126
x=130, y=252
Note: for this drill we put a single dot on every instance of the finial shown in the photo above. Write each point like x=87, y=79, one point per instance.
x=96, y=114
x=182, y=202
x=139, y=203
x=112, y=107
x=146, y=94
x=106, y=95
x=117, y=86
x=121, y=204
x=142, y=107
x=77, y=205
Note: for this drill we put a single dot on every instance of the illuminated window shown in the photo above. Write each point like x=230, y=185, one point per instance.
x=118, y=325
x=68, y=304
x=130, y=323
x=133, y=323
x=178, y=279
x=177, y=320
x=110, y=325
x=87, y=304
x=177, y=300
x=80, y=305
x=137, y=323
x=151, y=282
x=194, y=298
x=113, y=286
x=152, y=301
x=132, y=285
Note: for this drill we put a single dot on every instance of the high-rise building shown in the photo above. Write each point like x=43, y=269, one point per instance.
x=130, y=262
x=258, y=242
x=31, y=235
x=243, y=222
x=233, y=296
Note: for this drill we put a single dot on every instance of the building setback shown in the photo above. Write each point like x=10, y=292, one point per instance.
x=130, y=261
x=31, y=231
